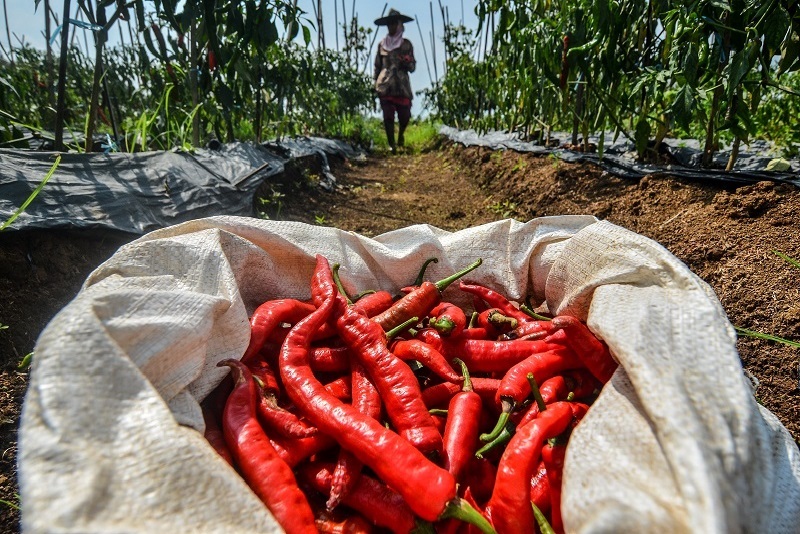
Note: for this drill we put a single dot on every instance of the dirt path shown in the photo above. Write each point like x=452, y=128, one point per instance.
x=381, y=194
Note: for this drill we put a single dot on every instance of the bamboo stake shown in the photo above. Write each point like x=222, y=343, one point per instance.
x=424, y=49
x=48, y=58
x=8, y=35
x=375, y=35
x=433, y=42
x=62, y=80
x=321, y=27
x=336, y=23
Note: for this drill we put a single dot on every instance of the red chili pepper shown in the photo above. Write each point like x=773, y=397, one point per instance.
x=371, y=442
x=530, y=330
x=480, y=478
x=340, y=388
x=552, y=390
x=495, y=300
x=330, y=359
x=366, y=438
x=265, y=376
x=295, y=451
x=520, y=381
x=366, y=400
x=352, y=524
x=419, y=302
x=268, y=317
x=267, y=475
x=492, y=356
x=581, y=383
x=280, y=420
x=215, y=436
x=448, y=319
x=369, y=497
x=553, y=457
x=374, y=303
x=540, y=488
x=495, y=323
x=476, y=333
x=394, y=379
x=461, y=432
x=593, y=352
x=515, y=387
x=212, y=60
x=440, y=394
x=510, y=507
x=414, y=349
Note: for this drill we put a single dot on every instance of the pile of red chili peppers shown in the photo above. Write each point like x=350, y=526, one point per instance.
x=380, y=413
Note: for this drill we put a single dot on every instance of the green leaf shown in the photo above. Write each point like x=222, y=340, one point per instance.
x=225, y=96
x=775, y=29
x=740, y=66
x=691, y=64
x=790, y=50
x=789, y=259
x=683, y=107
x=769, y=337
x=33, y=195
x=306, y=35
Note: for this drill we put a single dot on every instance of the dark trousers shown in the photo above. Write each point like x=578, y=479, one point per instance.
x=403, y=116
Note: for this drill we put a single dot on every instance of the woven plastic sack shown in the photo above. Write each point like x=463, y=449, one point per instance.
x=111, y=437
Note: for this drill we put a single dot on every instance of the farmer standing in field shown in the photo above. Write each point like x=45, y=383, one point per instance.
x=394, y=59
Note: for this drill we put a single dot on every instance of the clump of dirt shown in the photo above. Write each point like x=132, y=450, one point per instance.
x=729, y=236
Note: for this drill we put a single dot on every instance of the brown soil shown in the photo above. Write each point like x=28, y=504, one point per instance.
x=726, y=235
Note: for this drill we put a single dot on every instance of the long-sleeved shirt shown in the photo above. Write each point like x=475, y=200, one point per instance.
x=392, y=68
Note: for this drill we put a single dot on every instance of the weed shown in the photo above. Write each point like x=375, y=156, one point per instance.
x=32, y=195
x=521, y=165
x=275, y=199
x=504, y=209
x=25, y=363
x=319, y=220
x=11, y=504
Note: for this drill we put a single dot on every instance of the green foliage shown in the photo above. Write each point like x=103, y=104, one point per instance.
x=247, y=82
x=705, y=69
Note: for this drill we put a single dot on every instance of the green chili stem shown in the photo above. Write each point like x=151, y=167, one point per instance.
x=402, y=327
x=438, y=411
x=507, y=407
x=571, y=396
x=338, y=282
x=460, y=509
x=442, y=284
x=541, y=520
x=527, y=309
x=499, y=320
x=465, y=373
x=537, y=395
x=504, y=437
x=473, y=319
x=421, y=275
x=443, y=325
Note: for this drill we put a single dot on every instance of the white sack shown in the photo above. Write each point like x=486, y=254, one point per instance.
x=111, y=437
